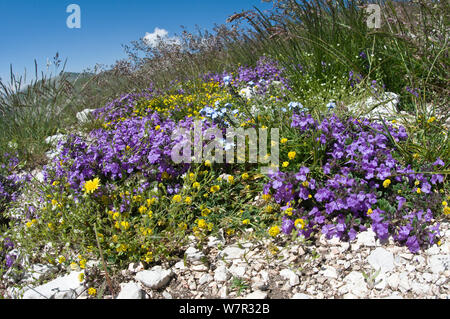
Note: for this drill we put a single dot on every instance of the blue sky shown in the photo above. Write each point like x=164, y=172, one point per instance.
x=36, y=29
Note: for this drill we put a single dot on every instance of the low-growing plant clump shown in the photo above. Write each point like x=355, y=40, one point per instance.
x=113, y=191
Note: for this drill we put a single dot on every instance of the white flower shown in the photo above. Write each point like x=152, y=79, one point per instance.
x=248, y=93
x=227, y=80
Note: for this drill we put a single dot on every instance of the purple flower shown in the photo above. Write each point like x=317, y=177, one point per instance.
x=287, y=225
x=323, y=194
x=439, y=162
x=10, y=259
x=426, y=188
x=404, y=232
x=352, y=234
x=301, y=175
x=413, y=244
x=436, y=178
x=401, y=202
x=382, y=230
x=328, y=230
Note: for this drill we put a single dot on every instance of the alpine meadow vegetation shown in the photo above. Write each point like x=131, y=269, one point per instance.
x=110, y=190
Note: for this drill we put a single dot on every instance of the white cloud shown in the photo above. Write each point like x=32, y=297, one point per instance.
x=152, y=39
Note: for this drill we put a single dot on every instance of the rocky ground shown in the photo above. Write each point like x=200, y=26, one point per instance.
x=269, y=269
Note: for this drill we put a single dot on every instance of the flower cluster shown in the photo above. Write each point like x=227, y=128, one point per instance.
x=295, y=107
x=6, y=251
x=265, y=73
x=135, y=145
x=225, y=115
x=357, y=186
x=10, y=182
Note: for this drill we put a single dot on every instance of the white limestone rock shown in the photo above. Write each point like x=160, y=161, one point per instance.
x=130, y=290
x=382, y=259
x=155, y=278
x=66, y=287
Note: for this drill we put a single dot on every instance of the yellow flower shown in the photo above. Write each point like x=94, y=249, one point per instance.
x=205, y=211
x=432, y=119
x=446, y=210
x=125, y=225
x=417, y=183
x=284, y=140
x=116, y=215
x=50, y=226
x=208, y=163
x=188, y=200
x=291, y=155
x=301, y=222
x=369, y=211
x=61, y=259
x=145, y=231
x=444, y=203
x=386, y=183
x=142, y=209
x=91, y=186
x=244, y=176
x=289, y=211
x=182, y=226
x=285, y=164
x=269, y=209
x=73, y=266
x=246, y=221
x=148, y=257
x=165, y=175
x=201, y=223
x=54, y=202
x=215, y=188
x=157, y=127
x=81, y=277
x=92, y=291
x=274, y=231
x=266, y=197
x=416, y=156
x=121, y=248
x=418, y=190
x=151, y=201
x=177, y=198
x=305, y=184
x=83, y=263
x=191, y=176
x=230, y=231
x=230, y=179
x=196, y=185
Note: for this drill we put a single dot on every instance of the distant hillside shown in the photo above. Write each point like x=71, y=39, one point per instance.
x=74, y=78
